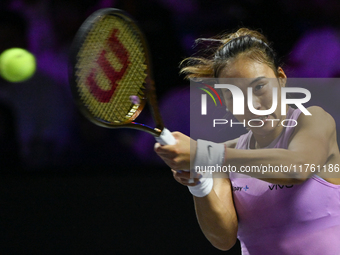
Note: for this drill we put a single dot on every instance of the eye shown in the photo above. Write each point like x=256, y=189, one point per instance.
x=259, y=87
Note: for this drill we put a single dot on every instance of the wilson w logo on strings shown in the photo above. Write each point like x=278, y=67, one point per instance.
x=113, y=76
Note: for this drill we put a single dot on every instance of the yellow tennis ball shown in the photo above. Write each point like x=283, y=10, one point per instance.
x=17, y=65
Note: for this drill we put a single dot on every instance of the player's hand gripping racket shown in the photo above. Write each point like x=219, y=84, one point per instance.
x=110, y=73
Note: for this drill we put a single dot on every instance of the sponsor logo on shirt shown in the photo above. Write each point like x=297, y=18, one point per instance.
x=278, y=186
x=271, y=187
x=240, y=188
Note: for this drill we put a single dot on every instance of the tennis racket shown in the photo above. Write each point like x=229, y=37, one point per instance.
x=110, y=73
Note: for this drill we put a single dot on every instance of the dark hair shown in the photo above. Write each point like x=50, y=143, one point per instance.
x=246, y=42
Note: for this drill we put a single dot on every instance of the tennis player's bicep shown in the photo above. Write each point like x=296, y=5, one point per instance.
x=223, y=189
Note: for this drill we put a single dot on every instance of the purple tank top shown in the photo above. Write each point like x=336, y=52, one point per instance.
x=286, y=219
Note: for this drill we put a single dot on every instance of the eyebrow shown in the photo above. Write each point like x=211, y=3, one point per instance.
x=257, y=79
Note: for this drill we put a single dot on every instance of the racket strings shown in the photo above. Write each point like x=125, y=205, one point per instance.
x=111, y=67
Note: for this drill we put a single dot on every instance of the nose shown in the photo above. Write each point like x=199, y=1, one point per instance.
x=256, y=102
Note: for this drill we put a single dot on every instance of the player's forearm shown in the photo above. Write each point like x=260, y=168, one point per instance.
x=273, y=165
x=217, y=221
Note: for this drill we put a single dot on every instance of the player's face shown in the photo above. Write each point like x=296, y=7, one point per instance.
x=244, y=73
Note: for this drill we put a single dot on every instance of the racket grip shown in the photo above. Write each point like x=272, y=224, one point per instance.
x=166, y=138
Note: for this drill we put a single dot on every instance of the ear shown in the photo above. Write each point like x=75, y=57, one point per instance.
x=282, y=77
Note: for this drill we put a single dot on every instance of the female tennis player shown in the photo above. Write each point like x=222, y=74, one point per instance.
x=273, y=212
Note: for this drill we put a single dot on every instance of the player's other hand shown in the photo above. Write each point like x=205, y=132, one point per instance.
x=183, y=178
x=180, y=155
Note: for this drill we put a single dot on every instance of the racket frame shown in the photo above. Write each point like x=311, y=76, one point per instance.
x=149, y=91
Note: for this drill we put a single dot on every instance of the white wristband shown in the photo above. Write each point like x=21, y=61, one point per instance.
x=204, y=187
x=208, y=154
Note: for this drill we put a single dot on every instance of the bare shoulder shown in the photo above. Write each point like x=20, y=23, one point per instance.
x=316, y=110
x=318, y=118
x=318, y=125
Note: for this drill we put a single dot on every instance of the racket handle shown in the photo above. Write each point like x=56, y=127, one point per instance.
x=166, y=138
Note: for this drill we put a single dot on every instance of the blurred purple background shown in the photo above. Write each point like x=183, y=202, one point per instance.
x=49, y=130
x=42, y=133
